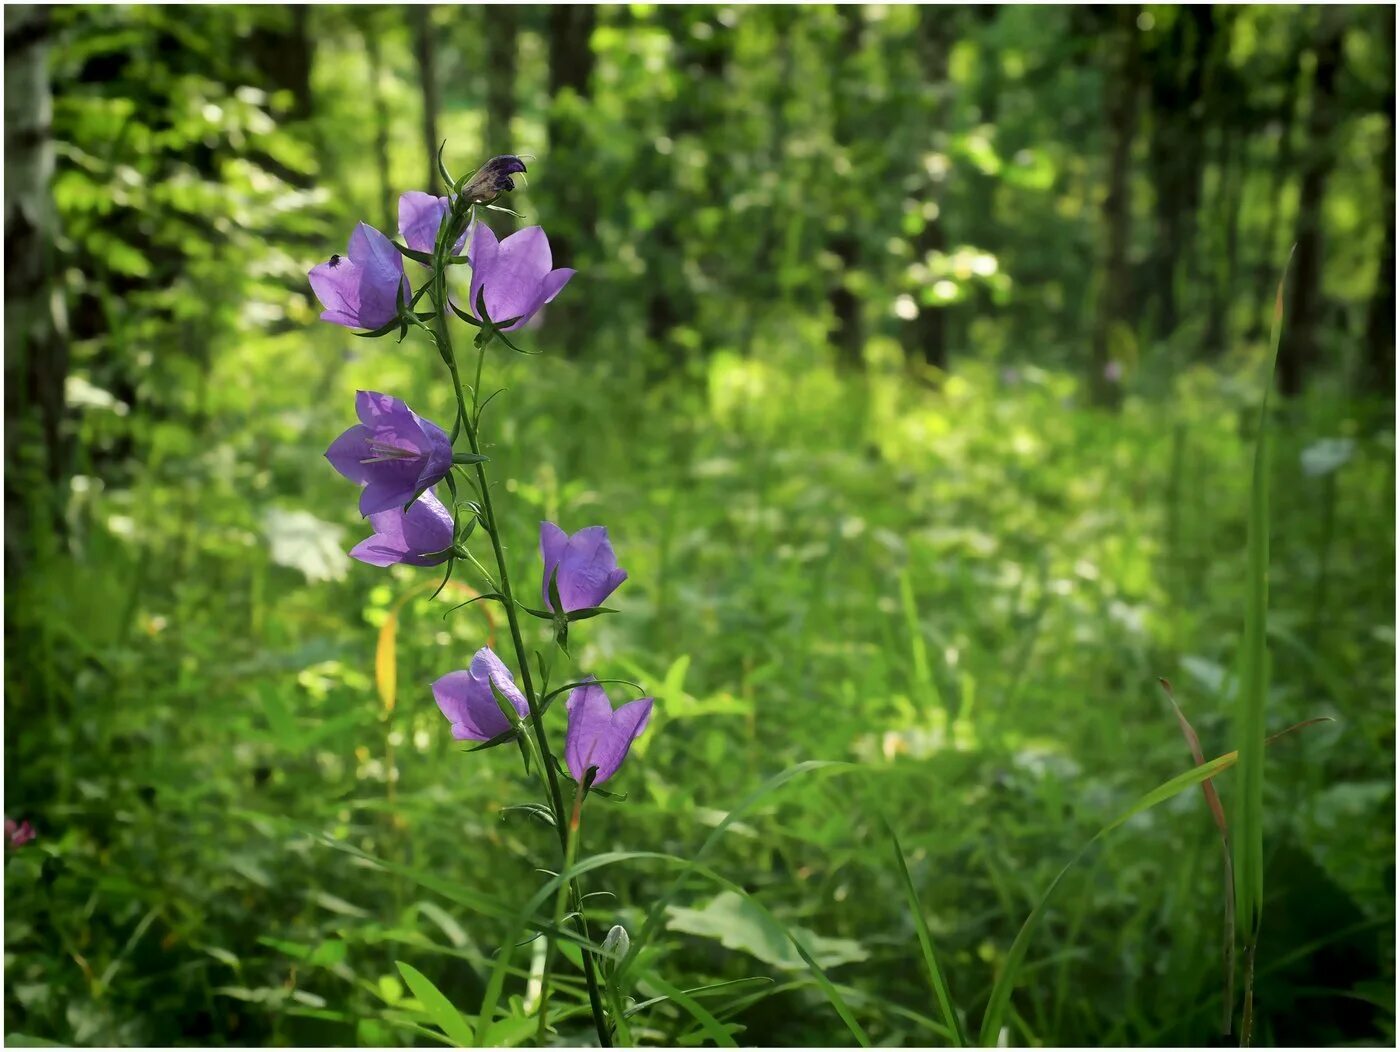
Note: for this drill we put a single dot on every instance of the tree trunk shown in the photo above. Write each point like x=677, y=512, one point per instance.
x=1380, y=320
x=1299, y=347
x=571, y=190
x=36, y=325
x=381, y=120
x=280, y=47
x=425, y=46
x=1177, y=151
x=849, y=335
x=1114, y=308
x=501, y=47
x=928, y=331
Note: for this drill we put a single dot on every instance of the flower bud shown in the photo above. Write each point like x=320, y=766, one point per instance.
x=616, y=946
x=493, y=178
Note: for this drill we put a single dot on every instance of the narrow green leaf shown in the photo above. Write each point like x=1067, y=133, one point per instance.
x=940, y=984
x=438, y=1007
x=1248, y=834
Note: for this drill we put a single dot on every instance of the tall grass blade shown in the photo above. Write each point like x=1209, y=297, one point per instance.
x=940, y=984
x=1000, y=997
x=1248, y=839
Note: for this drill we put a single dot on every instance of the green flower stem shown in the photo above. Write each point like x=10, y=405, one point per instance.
x=468, y=424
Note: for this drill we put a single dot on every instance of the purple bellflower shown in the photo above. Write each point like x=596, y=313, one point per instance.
x=515, y=274
x=466, y=699
x=421, y=536
x=599, y=737
x=362, y=289
x=420, y=217
x=583, y=566
x=393, y=452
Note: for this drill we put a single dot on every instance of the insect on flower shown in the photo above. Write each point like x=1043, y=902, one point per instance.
x=335, y=260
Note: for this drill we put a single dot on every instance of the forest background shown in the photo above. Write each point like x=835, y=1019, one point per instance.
x=913, y=361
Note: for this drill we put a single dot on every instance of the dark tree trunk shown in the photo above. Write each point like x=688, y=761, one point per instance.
x=501, y=46
x=425, y=47
x=1380, y=319
x=1177, y=151
x=1121, y=83
x=36, y=327
x=702, y=59
x=571, y=190
x=928, y=332
x=570, y=72
x=370, y=33
x=849, y=335
x=282, y=53
x=1299, y=347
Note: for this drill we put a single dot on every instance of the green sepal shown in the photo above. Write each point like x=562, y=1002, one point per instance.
x=586, y=682
x=499, y=739
x=475, y=599
x=447, y=179
x=463, y=314
x=469, y=458
x=415, y=500
x=426, y=258
x=451, y=562
x=539, y=811
x=383, y=330
x=504, y=704
x=587, y=612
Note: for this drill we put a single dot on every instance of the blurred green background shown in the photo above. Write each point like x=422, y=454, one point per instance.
x=913, y=362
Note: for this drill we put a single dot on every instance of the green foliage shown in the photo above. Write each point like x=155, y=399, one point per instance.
x=860, y=586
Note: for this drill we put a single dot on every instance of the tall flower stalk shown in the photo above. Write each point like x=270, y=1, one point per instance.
x=400, y=454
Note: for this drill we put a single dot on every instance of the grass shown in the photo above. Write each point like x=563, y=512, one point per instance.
x=967, y=588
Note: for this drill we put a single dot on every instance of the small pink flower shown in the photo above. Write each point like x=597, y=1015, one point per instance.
x=18, y=834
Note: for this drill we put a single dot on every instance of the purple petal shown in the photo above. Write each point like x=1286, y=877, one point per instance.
x=554, y=283
x=513, y=278
x=418, y=537
x=379, y=274
x=467, y=701
x=427, y=530
x=597, y=736
x=338, y=289
x=437, y=459
x=588, y=570
x=380, y=410
x=590, y=714
x=553, y=541
x=420, y=217
x=481, y=254
x=453, y=693
x=348, y=453
x=387, y=492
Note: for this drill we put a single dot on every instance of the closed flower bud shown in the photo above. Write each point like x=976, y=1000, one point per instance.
x=615, y=946
x=493, y=178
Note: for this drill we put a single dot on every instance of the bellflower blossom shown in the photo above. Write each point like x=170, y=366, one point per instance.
x=466, y=699
x=587, y=570
x=363, y=288
x=421, y=536
x=515, y=274
x=393, y=452
x=420, y=218
x=599, y=737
